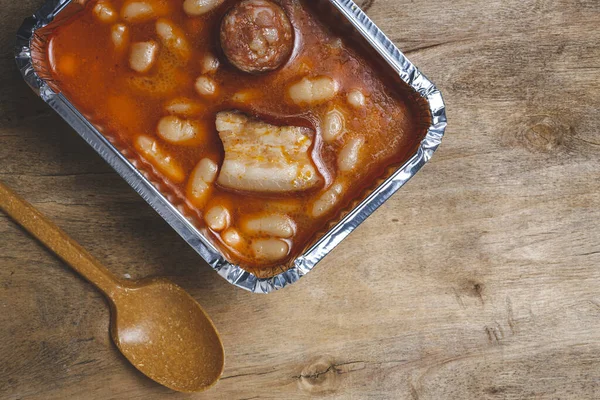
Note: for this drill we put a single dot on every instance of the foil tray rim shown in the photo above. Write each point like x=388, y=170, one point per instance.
x=233, y=273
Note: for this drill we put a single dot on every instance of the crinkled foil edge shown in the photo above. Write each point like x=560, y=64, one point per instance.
x=233, y=273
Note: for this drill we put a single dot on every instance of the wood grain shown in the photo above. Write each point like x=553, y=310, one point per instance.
x=479, y=280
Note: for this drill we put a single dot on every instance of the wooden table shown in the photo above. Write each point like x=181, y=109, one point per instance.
x=479, y=280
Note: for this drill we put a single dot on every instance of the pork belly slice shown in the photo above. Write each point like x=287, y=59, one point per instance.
x=260, y=157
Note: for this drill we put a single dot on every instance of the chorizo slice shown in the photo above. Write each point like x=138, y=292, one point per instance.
x=257, y=36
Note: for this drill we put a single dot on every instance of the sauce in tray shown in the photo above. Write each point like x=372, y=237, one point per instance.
x=262, y=159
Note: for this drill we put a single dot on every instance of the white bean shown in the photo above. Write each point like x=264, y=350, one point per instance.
x=324, y=89
x=199, y=7
x=207, y=170
x=183, y=106
x=313, y=91
x=205, y=86
x=119, y=34
x=210, y=64
x=356, y=98
x=349, y=155
x=159, y=158
x=271, y=225
x=176, y=130
x=143, y=56
x=327, y=201
x=333, y=125
x=138, y=11
x=202, y=176
x=198, y=191
x=105, y=12
x=232, y=237
x=244, y=96
x=173, y=38
x=217, y=218
x=270, y=249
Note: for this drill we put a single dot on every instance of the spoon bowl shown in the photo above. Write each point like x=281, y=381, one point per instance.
x=164, y=333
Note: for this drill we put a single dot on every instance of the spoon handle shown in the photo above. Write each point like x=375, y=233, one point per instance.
x=57, y=241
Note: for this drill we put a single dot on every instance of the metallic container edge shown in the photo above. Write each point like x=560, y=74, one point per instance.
x=232, y=273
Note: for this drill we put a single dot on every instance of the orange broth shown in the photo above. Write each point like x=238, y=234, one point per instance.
x=123, y=103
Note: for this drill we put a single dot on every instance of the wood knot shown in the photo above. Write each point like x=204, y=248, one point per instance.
x=320, y=376
x=478, y=289
x=543, y=134
x=473, y=289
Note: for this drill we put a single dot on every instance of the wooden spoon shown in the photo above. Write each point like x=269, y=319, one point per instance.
x=160, y=328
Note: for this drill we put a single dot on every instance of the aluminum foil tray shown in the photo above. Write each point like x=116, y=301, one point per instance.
x=357, y=21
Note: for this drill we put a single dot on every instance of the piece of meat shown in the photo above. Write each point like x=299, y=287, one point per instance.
x=257, y=36
x=260, y=157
